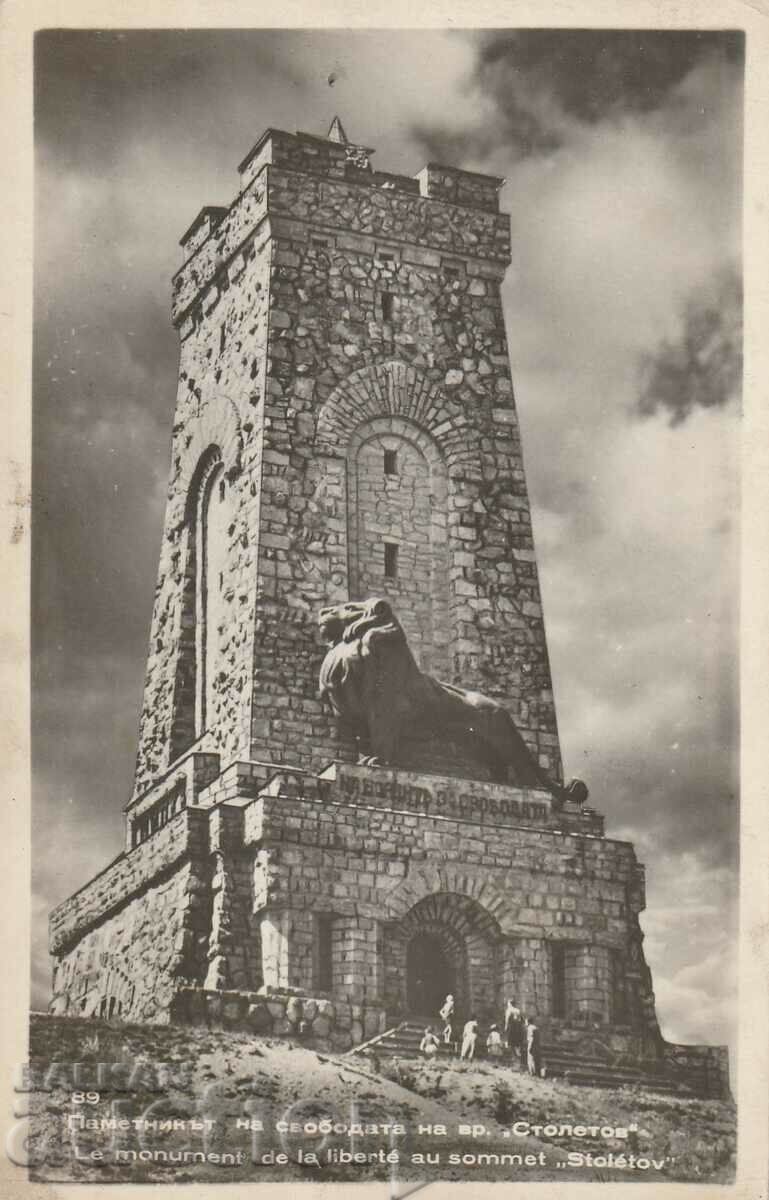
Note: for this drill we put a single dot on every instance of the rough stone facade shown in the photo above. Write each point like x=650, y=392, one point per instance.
x=345, y=426
x=217, y=916
x=380, y=853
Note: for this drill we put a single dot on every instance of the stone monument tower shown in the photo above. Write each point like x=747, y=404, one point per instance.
x=344, y=426
x=345, y=429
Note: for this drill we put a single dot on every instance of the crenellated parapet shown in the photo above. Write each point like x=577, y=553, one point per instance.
x=303, y=186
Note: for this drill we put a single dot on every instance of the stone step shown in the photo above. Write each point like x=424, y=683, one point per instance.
x=559, y=1061
x=560, y=1066
x=588, y=1071
x=613, y=1079
x=403, y=1039
x=563, y=1058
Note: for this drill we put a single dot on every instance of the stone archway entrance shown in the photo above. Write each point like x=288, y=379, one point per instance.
x=445, y=943
x=430, y=974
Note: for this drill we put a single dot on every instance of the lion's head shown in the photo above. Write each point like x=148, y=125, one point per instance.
x=353, y=619
x=351, y=631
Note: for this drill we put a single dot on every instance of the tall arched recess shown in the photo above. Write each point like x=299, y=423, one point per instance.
x=397, y=531
x=205, y=464
x=204, y=547
x=406, y=446
x=212, y=519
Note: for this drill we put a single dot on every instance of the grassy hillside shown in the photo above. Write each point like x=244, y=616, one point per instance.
x=162, y=1074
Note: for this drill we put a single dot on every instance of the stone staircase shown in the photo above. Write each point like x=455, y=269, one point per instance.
x=560, y=1062
x=403, y=1040
x=586, y=1071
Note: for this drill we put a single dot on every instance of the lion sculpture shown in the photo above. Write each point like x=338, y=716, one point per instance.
x=372, y=682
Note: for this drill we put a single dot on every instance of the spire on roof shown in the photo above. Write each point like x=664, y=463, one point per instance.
x=336, y=133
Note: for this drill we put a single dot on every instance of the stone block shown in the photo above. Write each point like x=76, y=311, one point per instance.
x=371, y=1024
x=259, y=1018
x=341, y=1040
x=232, y=1011
x=213, y=1003
x=294, y=1010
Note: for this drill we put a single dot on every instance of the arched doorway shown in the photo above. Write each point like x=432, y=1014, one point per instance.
x=430, y=974
x=445, y=943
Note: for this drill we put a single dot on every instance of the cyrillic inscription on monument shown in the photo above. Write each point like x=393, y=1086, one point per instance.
x=435, y=796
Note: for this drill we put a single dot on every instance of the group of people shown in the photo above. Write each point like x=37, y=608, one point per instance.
x=520, y=1038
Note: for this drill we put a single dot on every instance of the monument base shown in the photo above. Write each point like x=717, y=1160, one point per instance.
x=336, y=906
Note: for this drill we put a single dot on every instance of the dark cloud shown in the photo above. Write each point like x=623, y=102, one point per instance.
x=595, y=73
x=93, y=87
x=521, y=129
x=537, y=81
x=703, y=368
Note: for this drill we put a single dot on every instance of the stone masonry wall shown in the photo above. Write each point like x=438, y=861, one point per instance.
x=219, y=405
x=237, y=890
x=436, y=358
x=316, y=1021
x=138, y=928
x=525, y=974
x=137, y=957
x=235, y=950
x=214, y=919
x=371, y=866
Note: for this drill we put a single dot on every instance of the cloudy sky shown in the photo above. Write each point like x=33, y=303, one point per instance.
x=622, y=155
